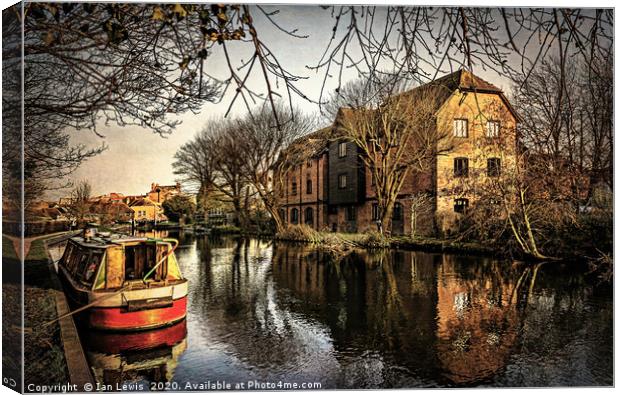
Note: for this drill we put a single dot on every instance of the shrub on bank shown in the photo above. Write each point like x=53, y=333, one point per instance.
x=374, y=240
x=302, y=233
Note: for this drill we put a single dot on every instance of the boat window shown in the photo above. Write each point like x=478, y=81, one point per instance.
x=160, y=250
x=81, y=266
x=66, y=257
x=72, y=255
x=91, y=267
x=76, y=257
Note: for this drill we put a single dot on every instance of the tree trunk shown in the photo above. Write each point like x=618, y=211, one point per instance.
x=386, y=216
x=277, y=220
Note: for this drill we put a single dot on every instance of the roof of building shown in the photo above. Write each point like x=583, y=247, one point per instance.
x=155, y=187
x=464, y=80
x=308, y=146
x=438, y=90
x=107, y=206
x=442, y=88
x=142, y=202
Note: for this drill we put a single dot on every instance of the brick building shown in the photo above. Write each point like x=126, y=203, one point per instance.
x=161, y=193
x=333, y=190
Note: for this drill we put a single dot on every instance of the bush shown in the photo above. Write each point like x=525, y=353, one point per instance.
x=374, y=240
x=300, y=233
x=179, y=207
x=588, y=235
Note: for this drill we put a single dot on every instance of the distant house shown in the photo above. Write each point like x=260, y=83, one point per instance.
x=65, y=201
x=110, y=197
x=115, y=211
x=146, y=210
x=161, y=193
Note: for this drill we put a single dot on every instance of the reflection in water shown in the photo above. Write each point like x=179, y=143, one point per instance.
x=259, y=311
x=147, y=356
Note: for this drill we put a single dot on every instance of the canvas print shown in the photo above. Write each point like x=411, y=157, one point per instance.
x=209, y=197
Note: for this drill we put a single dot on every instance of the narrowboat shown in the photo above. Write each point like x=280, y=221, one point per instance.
x=124, y=283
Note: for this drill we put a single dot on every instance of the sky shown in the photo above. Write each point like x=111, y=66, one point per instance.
x=136, y=157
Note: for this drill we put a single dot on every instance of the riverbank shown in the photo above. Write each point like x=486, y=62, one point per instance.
x=48, y=349
x=44, y=357
x=374, y=240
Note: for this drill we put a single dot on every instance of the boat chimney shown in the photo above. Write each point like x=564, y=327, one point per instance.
x=89, y=233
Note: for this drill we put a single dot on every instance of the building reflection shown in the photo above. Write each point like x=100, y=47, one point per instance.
x=377, y=302
x=436, y=315
x=477, y=318
x=151, y=356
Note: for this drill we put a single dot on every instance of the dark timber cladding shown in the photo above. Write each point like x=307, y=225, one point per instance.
x=346, y=174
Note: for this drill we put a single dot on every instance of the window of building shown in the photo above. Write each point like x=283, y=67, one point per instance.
x=342, y=150
x=461, y=205
x=309, y=163
x=397, y=212
x=342, y=181
x=461, y=167
x=309, y=216
x=375, y=212
x=308, y=184
x=460, y=128
x=294, y=216
x=282, y=213
x=349, y=213
x=294, y=186
x=494, y=167
x=493, y=129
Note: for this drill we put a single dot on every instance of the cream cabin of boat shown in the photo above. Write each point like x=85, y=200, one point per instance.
x=128, y=283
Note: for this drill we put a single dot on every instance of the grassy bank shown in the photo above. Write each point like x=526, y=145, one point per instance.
x=11, y=311
x=374, y=240
x=43, y=350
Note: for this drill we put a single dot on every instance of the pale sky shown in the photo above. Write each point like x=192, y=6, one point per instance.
x=136, y=157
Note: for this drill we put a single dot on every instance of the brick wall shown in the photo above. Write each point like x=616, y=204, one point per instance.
x=476, y=147
x=312, y=173
x=329, y=203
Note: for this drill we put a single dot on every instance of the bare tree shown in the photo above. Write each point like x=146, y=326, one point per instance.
x=567, y=121
x=420, y=205
x=424, y=42
x=231, y=180
x=80, y=201
x=400, y=136
x=88, y=64
x=196, y=164
x=213, y=161
x=262, y=142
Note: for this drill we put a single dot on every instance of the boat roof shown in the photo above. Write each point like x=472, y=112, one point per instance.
x=104, y=241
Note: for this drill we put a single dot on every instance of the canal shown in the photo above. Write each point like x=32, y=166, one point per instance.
x=281, y=314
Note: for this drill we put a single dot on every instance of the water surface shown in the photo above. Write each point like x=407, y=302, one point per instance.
x=281, y=313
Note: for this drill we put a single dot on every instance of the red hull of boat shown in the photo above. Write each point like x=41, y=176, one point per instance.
x=118, y=319
x=117, y=343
